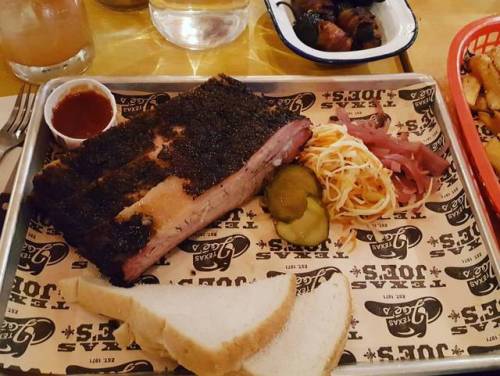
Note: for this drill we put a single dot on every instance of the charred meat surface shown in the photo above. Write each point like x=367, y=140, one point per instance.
x=333, y=38
x=362, y=26
x=307, y=28
x=128, y=196
x=318, y=32
x=336, y=25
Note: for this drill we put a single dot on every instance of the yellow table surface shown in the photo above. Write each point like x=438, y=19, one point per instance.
x=439, y=21
x=127, y=43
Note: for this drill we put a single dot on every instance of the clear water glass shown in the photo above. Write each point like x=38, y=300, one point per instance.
x=199, y=24
x=43, y=39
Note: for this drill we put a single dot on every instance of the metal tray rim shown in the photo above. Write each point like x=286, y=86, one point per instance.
x=418, y=367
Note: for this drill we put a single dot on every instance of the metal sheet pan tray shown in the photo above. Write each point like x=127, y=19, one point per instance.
x=425, y=296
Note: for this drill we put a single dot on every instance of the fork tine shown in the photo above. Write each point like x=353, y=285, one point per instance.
x=15, y=111
x=24, y=109
x=26, y=121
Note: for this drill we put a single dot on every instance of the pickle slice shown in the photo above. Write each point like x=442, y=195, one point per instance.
x=299, y=177
x=287, y=193
x=286, y=203
x=309, y=230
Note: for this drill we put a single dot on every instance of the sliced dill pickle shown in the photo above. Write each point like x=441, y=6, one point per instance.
x=286, y=203
x=286, y=195
x=299, y=177
x=309, y=230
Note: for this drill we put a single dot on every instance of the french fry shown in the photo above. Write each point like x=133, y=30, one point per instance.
x=471, y=86
x=485, y=100
x=494, y=55
x=485, y=117
x=492, y=121
x=481, y=104
x=495, y=123
x=493, y=96
x=477, y=64
x=493, y=152
x=483, y=69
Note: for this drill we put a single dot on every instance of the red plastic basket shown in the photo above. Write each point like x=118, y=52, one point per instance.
x=477, y=37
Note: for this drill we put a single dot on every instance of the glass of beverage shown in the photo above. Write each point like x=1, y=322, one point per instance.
x=199, y=24
x=125, y=4
x=42, y=39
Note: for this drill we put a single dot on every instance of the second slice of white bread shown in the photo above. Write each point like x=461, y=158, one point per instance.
x=314, y=337
x=209, y=330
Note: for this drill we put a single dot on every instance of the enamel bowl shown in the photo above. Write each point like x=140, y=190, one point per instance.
x=395, y=17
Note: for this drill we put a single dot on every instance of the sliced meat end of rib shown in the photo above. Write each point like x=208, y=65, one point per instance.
x=177, y=215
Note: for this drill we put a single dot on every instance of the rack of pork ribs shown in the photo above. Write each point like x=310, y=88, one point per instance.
x=128, y=196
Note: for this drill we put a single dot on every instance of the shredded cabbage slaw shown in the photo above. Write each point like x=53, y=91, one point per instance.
x=357, y=188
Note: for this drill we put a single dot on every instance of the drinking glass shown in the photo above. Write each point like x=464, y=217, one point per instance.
x=42, y=39
x=199, y=24
x=125, y=4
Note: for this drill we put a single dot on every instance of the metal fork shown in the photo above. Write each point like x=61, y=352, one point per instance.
x=13, y=132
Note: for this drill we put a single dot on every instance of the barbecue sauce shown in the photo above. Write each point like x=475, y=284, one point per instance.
x=82, y=114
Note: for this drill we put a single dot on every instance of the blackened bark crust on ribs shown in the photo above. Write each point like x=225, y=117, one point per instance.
x=113, y=149
x=202, y=136
x=94, y=204
x=224, y=125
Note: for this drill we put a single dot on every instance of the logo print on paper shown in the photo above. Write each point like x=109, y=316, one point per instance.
x=129, y=367
x=457, y=209
x=215, y=254
x=475, y=350
x=423, y=101
x=297, y=103
x=438, y=144
x=449, y=176
x=308, y=281
x=423, y=98
x=480, y=277
x=347, y=358
x=395, y=242
x=407, y=319
x=36, y=256
x=17, y=334
x=377, y=118
x=16, y=370
x=135, y=104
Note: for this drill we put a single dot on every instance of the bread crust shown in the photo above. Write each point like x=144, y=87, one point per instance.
x=146, y=339
x=206, y=362
x=337, y=348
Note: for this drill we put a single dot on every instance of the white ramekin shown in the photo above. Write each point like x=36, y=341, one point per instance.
x=71, y=87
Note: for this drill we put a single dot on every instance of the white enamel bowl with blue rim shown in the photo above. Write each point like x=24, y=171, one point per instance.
x=396, y=20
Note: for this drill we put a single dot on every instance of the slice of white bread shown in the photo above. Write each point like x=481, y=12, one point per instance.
x=207, y=329
x=314, y=337
x=98, y=296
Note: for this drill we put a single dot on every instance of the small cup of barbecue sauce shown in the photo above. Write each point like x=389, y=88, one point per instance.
x=78, y=110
